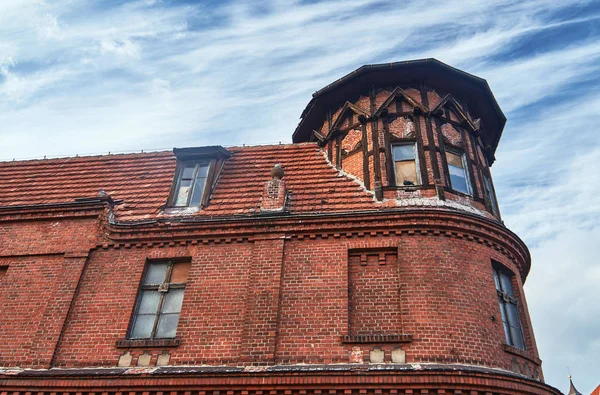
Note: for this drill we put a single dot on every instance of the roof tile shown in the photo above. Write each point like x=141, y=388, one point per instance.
x=143, y=181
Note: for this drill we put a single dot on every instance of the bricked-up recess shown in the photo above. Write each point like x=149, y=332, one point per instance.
x=374, y=292
x=305, y=268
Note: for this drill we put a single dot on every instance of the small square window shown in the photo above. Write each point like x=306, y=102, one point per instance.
x=405, y=164
x=190, y=184
x=3, y=270
x=508, y=307
x=159, y=300
x=457, y=168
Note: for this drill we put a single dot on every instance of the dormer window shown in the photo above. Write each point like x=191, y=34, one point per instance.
x=191, y=182
x=195, y=175
x=457, y=168
x=405, y=164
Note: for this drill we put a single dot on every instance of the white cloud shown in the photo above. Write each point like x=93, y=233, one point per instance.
x=561, y=292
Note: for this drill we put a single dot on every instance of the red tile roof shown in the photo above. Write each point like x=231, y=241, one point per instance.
x=143, y=181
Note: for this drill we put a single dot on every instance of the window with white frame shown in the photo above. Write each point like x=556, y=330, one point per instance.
x=406, y=164
x=457, y=168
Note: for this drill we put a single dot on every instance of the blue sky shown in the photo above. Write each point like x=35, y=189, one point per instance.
x=80, y=77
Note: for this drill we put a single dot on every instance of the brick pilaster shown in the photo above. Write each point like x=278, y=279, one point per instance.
x=262, y=304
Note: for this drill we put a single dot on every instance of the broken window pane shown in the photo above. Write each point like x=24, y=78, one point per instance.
x=406, y=173
x=142, y=328
x=167, y=325
x=173, y=301
x=183, y=192
x=155, y=273
x=405, y=164
x=180, y=272
x=454, y=159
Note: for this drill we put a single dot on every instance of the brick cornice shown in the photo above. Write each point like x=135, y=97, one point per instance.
x=283, y=379
x=405, y=222
x=51, y=211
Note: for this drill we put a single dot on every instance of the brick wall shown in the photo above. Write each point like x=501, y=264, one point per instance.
x=374, y=292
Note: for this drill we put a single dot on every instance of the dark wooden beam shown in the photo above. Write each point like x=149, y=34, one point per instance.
x=375, y=137
x=442, y=151
x=365, y=152
x=465, y=144
x=330, y=146
x=389, y=170
x=432, y=154
x=338, y=152
x=421, y=150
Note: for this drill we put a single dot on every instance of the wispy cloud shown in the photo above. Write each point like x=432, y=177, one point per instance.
x=85, y=77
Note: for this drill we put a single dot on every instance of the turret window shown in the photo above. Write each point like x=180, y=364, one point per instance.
x=405, y=164
x=508, y=307
x=489, y=191
x=457, y=168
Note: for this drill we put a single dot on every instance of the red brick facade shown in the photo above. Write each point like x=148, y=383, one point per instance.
x=308, y=279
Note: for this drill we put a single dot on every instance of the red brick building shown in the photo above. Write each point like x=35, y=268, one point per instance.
x=368, y=257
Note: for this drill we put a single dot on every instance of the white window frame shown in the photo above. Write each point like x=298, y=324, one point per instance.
x=463, y=158
x=417, y=166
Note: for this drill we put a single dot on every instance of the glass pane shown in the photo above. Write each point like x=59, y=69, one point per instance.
x=155, y=273
x=458, y=179
x=506, y=284
x=180, y=272
x=197, y=194
x=149, y=302
x=167, y=325
x=507, y=334
x=142, y=328
x=502, y=310
x=403, y=152
x=183, y=192
x=188, y=172
x=202, y=171
x=489, y=191
x=454, y=160
x=406, y=173
x=517, y=337
x=173, y=300
x=496, y=280
x=513, y=315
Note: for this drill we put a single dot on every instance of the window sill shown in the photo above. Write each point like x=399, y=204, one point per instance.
x=131, y=343
x=397, y=338
x=181, y=210
x=521, y=353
